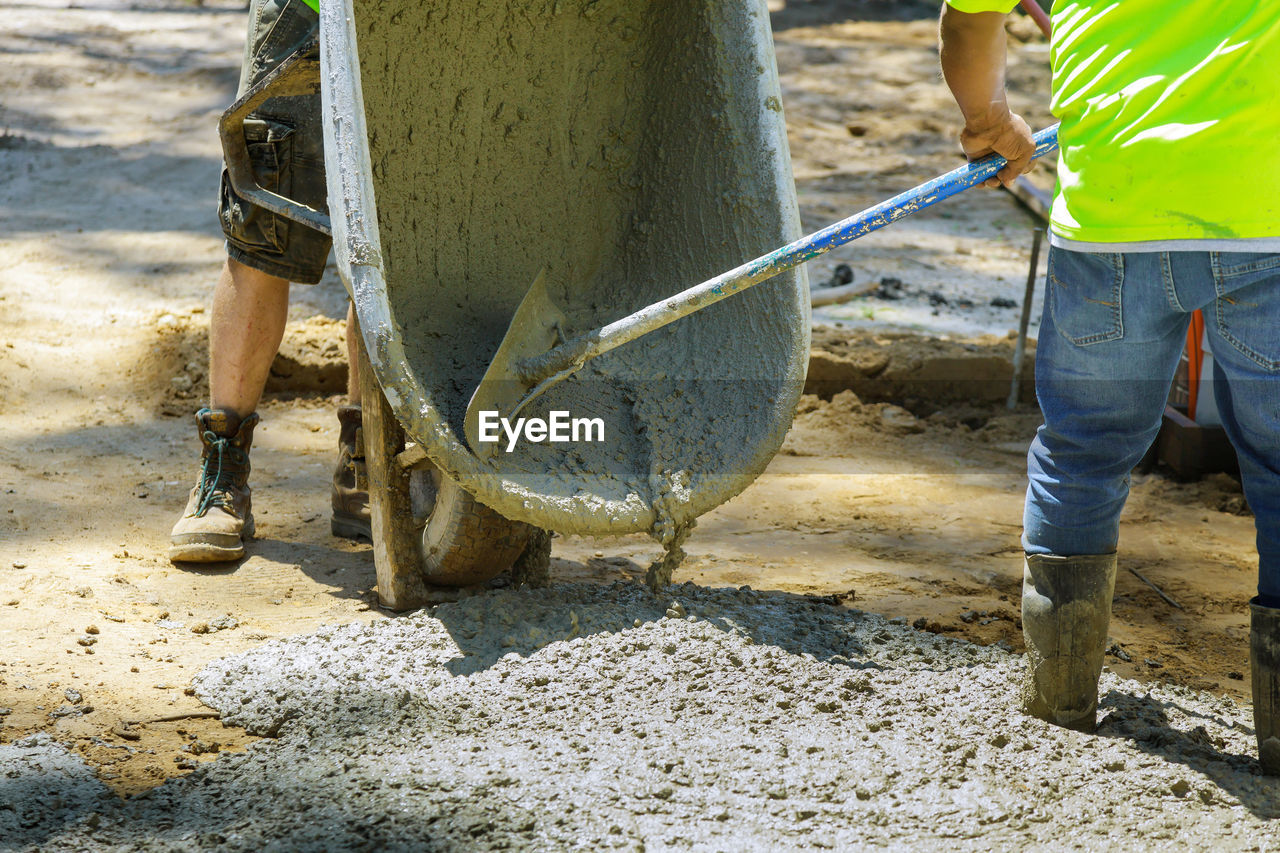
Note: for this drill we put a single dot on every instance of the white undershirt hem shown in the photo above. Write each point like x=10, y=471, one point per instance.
x=1255, y=244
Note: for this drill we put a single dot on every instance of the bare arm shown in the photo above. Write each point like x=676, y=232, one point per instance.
x=973, y=61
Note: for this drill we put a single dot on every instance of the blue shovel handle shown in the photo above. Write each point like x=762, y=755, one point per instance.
x=884, y=213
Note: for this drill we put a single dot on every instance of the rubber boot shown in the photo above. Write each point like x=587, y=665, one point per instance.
x=1264, y=670
x=1066, y=608
x=219, y=514
x=350, y=495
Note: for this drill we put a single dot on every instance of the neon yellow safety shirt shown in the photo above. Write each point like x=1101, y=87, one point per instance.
x=1170, y=122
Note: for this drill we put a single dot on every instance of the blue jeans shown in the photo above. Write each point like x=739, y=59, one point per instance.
x=1113, y=331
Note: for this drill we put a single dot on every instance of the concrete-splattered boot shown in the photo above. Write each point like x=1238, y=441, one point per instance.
x=1066, y=608
x=350, y=482
x=219, y=514
x=1264, y=669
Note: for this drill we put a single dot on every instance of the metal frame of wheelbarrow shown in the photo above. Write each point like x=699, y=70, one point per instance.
x=299, y=74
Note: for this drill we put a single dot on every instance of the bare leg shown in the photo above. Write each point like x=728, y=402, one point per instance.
x=249, y=312
x=250, y=309
x=353, y=358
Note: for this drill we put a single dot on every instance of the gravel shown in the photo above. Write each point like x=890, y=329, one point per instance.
x=610, y=717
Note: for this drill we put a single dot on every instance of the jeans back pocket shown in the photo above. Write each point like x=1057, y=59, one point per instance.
x=1247, y=310
x=1085, y=295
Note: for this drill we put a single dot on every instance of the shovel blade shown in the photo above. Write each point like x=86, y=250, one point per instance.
x=534, y=330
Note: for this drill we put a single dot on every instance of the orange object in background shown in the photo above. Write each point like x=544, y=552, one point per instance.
x=1195, y=361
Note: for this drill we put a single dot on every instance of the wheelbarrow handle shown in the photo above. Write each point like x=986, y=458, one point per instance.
x=298, y=74
x=571, y=355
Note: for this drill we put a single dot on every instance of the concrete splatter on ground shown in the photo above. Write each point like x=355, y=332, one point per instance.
x=701, y=719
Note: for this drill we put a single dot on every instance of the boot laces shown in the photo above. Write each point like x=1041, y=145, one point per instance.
x=215, y=476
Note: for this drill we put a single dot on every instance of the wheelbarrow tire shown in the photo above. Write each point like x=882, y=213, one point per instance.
x=465, y=542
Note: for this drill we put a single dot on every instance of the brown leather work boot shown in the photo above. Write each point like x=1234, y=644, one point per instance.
x=350, y=482
x=219, y=514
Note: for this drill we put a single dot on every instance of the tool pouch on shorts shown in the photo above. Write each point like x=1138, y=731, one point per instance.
x=269, y=143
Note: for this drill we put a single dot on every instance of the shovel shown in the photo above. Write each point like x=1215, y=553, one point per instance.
x=536, y=354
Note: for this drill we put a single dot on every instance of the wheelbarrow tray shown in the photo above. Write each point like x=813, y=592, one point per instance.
x=622, y=150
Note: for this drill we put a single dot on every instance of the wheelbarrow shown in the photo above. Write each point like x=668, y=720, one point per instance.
x=616, y=153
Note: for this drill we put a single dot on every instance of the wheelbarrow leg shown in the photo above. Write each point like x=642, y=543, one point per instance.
x=397, y=553
x=533, y=567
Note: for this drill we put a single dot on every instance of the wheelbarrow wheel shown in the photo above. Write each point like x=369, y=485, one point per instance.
x=465, y=542
x=427, y=531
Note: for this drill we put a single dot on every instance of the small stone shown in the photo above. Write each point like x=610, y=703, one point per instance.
x=1115, y=651
x=898, y=418
x=968, y=616
x=675, y=610
x=200, y=628
x=92, y=629
x=121, y=729
x=636, y=624
x=87, y=640
x=1180, y=788
x=18, y=565
x=1152, y=662
x=920, y=624
x=73, y=696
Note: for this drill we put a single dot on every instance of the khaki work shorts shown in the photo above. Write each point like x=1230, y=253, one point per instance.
x=286, y=148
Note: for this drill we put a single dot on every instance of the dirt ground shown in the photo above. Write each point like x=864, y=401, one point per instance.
x=899, y=487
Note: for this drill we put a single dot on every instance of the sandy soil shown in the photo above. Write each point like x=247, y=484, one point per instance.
x=902, y=495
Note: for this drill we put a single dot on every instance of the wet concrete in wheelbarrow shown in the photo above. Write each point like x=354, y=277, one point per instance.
x=702, y=719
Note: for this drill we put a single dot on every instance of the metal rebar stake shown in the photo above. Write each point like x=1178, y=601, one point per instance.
x=1020, y=350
